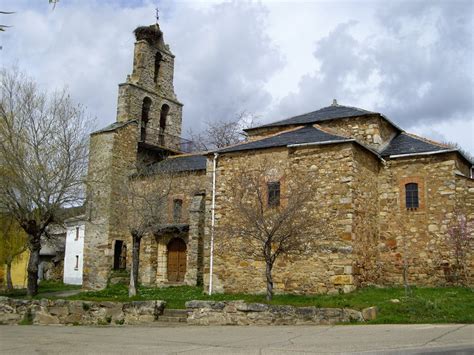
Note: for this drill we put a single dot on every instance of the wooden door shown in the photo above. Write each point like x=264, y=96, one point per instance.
x=176, y=260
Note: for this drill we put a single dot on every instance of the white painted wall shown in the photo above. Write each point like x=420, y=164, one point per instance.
x=74, y=250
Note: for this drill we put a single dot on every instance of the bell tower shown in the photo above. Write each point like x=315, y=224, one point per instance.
x=148, y=94
x=148, y=129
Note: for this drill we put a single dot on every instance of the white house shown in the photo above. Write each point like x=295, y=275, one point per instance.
x=74, y=252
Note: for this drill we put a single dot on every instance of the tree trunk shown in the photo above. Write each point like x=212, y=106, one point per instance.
x=9, y=277
x=34, y=245
x=268, y=274
x=132, y=290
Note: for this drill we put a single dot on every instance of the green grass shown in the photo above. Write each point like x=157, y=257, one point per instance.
x=44, y=287
x=425, y=305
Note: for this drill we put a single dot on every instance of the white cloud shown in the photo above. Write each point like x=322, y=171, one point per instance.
x=410, y=60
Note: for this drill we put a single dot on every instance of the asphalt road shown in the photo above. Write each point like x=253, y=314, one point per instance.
x=372, y=339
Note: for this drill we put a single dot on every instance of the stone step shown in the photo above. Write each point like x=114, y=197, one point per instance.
x=175, y=313
x=169, y=319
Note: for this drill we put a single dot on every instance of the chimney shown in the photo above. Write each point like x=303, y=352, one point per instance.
x=334, y=102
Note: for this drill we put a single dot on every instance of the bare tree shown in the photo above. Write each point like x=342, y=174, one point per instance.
x=268, y=223
x=368, y=266
x=147, y=202
x=43, y=155
x=464, y=152
x=220, y=134
x=3, y=27
x=13, y=243
x=459, y=237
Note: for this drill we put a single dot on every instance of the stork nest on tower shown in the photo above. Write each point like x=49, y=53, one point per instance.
x=151, y=34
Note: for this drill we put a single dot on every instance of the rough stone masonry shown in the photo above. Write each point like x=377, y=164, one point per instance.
x=390, y=199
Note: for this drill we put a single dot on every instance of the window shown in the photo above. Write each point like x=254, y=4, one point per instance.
x=77, y=263
x=177, y=210
x=157, y=66
x=273, y=194
x=120, y=255
x=77, y=234
x=145, y=116
x=411, y=196
x=165, y=109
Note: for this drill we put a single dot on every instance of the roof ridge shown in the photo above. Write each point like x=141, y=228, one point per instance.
x=195, y=154
x=260, y=139
x=363, y=111
x=113, y=126
x=426, y=140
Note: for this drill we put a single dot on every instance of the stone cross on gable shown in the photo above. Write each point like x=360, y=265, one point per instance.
x=157, y=14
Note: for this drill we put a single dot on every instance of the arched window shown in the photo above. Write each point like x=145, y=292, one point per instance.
x=157, y=66
x=177, y=210
x=411, y=195
x=145, y=116
x=273, y=194
x=164, y=113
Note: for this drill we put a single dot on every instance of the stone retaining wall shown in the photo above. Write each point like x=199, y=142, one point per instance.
x=14, y=311
x=241, y=313
x=45, y=312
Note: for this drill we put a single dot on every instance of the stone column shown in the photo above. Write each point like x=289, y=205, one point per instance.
x=195, y=242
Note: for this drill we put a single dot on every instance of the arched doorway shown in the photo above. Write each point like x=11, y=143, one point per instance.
x=176, y=260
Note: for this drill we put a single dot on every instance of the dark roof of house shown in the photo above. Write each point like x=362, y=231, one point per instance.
x=323, y=114
x=180, y=164
x=308, y=134
x=407, y=144
x=113, y=126
x=70, y=212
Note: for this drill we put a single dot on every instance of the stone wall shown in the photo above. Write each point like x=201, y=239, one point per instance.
x=130, y=104
x=50, y=312
x=372, y=130
x=326, y=264
x=190, y=188
x=45, y=312
x=365, y=231
x=241, y=313
x=417, y=238
x=159, y=87
x=111, y=159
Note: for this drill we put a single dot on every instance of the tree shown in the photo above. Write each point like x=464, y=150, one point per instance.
x=43, y=156
x=268, y=223
x=3, y=27
x=220, y=134
x=146, y=209
x=13, y=242
x=464, y=152
x=368, y=266
x=459, y=237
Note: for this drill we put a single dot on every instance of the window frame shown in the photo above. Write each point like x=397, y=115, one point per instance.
x=177, y=217
x=412, y=196
x=273, y=194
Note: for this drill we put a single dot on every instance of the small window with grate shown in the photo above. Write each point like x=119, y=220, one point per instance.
x=273, y=194
x=177, y=210
x=411, y=196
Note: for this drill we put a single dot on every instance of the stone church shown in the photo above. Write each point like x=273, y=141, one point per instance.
x=390, y=197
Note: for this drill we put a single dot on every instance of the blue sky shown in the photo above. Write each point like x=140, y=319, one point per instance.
x=410, y=60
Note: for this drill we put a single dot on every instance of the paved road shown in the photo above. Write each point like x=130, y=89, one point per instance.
x=372, y=339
